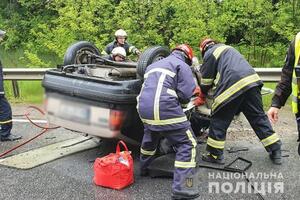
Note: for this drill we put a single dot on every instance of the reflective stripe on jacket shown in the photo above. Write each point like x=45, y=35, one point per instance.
x=295, y=89
x=167, y=84
x=227, y=73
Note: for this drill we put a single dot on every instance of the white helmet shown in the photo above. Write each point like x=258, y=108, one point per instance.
x=119, y=51
x=120, y=33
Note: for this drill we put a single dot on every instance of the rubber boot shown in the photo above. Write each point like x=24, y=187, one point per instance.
x=214, y=159
x=275, y=156
x=188, y=189
x=11, y=137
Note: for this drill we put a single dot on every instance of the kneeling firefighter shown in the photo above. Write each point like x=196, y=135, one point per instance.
x=237, y=88
x=168, y=84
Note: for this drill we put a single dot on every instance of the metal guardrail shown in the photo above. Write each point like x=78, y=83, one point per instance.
x=269, y=74
x=24, y=73
x=266, y=74
x=21, y=74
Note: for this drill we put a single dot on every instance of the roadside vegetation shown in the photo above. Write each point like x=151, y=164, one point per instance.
x=39, y=32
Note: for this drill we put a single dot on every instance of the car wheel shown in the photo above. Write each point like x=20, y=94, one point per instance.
x=150, y=56
x=79, y=53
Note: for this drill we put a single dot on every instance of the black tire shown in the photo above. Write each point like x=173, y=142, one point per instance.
x=77, y=53
x=150, y=56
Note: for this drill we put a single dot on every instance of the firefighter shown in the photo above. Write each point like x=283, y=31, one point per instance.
x=288, y=84
x=120, y=41
x=169, y=84
x=5, y=110
x=118, y=54
x=236, y=88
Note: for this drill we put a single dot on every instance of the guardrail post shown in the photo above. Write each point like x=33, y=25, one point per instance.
x=15, y=88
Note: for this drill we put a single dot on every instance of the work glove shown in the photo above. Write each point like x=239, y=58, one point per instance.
x=137, y=52
x=200, y=97
x=197, y=91
x=195, y=62
x=199, y=100
x=184, y=105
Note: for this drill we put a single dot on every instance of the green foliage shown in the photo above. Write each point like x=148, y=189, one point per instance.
x=287, y=19
x=260, y=29
x=39, y=32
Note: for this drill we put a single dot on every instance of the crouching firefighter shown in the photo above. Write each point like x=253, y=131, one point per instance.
x=236, y=88
x=168, y=83
x=5, y=109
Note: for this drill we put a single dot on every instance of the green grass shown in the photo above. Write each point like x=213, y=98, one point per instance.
x=15, y=59
x=12, y=59
x=267, y=99
x=30, y=91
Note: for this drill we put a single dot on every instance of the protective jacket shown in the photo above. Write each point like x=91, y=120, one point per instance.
x=288, y=82
x=128, y=48
x=168, y=84
x=1, y=80
x=227, y=73
x=5, y=110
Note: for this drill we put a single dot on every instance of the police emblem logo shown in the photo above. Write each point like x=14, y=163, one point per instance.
x=189, y=182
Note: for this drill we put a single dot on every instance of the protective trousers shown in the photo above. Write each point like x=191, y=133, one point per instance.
x=250, y=104
x=184, y=143
x=5, y=117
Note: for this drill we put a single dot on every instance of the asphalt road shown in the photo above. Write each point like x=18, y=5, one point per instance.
x=71, y=177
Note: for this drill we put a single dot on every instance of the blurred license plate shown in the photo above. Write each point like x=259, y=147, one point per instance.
x=74, y=112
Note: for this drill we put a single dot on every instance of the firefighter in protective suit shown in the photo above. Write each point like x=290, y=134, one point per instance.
x=236, y=88
x=120, y=41
x=167, y=86
x=288, y=84
x=5, y=110
x=118, y=54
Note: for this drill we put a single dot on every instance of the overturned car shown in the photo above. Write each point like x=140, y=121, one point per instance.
x=93, y=95
x=97, y=96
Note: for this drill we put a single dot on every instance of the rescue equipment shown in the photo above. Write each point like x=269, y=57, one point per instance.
x=114, y=170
